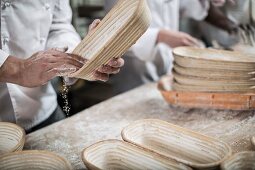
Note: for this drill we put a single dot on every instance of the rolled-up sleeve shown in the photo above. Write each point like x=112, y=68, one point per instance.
x=62, y=33
x=3, y=57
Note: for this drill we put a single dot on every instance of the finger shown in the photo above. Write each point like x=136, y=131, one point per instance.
x=63, y=60
x=101, y=76
x=62, y=49
x=94, y=24
x=56, y=51
x=186, y=42
x=193, y=41
x=78, y=58
x=60, y=65
x=64, y=70
x=109, y=70
x=49, y=75
x=116, y=63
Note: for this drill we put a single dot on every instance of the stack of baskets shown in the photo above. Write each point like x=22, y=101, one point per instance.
x=210, y=70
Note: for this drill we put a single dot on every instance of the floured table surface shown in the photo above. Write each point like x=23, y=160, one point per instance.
x=105, y=121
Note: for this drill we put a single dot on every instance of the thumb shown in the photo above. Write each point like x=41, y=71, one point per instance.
x=61, y=49
x=94, y=25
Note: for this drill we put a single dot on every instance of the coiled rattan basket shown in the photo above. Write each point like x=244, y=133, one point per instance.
x=33, y=160
x=12, y=138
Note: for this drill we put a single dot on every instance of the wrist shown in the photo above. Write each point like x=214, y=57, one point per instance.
x=10, y=71
x=161, y=36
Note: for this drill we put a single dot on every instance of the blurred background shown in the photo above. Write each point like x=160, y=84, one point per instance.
x=85, y=94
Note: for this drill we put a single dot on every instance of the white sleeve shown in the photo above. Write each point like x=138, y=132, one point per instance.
x=62, y=33
x=145, y=46
x=3, y=57
x=201, y=8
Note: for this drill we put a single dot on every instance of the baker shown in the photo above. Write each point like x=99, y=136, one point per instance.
x=33, y=34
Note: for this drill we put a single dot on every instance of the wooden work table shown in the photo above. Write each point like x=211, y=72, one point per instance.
x=105, y=121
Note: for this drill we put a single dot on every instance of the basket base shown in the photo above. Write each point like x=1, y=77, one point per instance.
x=223, y=101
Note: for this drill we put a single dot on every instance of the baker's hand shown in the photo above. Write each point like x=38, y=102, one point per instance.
x=113, y=67
x=177, y=38
x=70, y=80
x=39, y=68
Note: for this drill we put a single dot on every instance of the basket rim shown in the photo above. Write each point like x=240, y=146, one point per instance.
x=143, y=149
x=194, y=165
x=39, y=152
x=16, y=127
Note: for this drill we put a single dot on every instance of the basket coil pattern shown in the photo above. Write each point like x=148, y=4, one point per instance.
x=117, y=32
x=182, y=145
x=119, y=155
x=12, y=138
x=33, y=160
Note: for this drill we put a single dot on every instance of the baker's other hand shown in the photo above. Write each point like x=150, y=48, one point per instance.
x=177, y=39
x=94, y=24
x=113, y=67
x=39, y=68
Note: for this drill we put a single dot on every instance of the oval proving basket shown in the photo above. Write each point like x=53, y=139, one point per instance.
x=232, y=101
x=240, y=161
x=12, y=138
x=216, y=74
x=33, y=160
x=116, y=33
x=191, y=57
x=119, y=155
x=174, y=142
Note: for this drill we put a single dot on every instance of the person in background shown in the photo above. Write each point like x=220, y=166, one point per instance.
x=241, y=12
x=151, y=57
x=33, y=34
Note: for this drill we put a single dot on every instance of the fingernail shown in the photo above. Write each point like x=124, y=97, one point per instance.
x=113, y=63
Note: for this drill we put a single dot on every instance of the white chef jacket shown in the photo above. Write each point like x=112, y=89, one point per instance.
x=29, y=26
x=156, y=59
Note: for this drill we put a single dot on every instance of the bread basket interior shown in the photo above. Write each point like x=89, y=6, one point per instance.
x=119, y=155
x=183, y=145
x=12, y=137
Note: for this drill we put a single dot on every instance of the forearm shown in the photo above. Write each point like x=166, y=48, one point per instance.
x=217, y=18
x=10, y=70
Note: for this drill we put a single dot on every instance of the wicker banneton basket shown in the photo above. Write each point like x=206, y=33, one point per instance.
x=209, y=70
x=117, y=32
x=230, y=101
x=119, y=155
x=12, y=138
x=240, y=161
x=33, y=160
x=174, y=142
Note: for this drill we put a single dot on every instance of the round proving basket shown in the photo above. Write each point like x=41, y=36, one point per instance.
x=33, y=160
x=12, y=138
